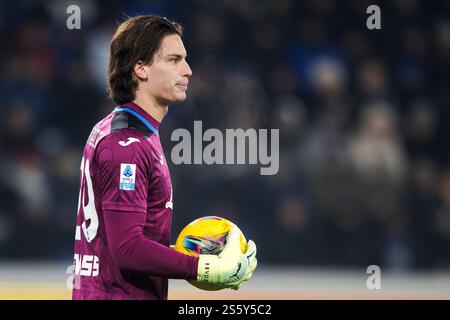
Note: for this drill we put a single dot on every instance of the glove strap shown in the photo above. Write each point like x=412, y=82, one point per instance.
x=207, y=265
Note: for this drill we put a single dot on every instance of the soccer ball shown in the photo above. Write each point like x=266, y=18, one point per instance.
x=206, y=235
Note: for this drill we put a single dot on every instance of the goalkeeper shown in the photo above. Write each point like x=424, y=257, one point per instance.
x=122, y=235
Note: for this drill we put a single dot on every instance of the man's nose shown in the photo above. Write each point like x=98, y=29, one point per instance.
x=187, y=72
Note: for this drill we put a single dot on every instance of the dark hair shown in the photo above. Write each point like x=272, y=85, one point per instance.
x=137, y=38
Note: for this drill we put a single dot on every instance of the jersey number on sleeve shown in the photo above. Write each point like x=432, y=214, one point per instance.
x=90, y=213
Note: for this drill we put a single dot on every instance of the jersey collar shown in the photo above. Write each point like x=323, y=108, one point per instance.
x=146, y=118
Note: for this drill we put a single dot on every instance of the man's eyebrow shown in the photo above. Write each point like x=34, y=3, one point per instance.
x=177, y=55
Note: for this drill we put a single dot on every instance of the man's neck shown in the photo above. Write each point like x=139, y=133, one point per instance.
x=150, y=106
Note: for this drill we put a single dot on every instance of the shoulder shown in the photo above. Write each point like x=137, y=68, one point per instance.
x=123, y=146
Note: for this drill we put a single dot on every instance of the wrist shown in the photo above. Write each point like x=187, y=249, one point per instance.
x=206, y=270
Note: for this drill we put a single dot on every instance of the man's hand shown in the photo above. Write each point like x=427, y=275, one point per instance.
x=231, y=267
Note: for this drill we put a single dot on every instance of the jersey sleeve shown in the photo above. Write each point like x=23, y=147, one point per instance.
x=123, y=170
x=132, y=251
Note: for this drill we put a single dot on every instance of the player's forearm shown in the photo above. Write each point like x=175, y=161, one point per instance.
x=146, y=255
x=133, y=251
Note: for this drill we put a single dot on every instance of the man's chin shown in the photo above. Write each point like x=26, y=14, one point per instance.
x=179, y=99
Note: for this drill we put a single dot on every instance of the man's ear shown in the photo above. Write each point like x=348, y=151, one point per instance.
x=140, y=71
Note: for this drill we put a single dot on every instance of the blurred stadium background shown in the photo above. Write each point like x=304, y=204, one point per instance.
x=364, y=120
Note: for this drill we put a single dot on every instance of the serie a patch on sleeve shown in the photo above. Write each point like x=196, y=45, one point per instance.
x=127, y=176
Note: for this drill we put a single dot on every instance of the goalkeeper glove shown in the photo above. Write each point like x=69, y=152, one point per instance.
x=231, y=267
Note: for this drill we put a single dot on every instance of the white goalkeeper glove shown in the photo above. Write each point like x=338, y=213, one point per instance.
x=231, y=267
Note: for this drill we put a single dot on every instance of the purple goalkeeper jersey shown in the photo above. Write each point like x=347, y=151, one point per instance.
x=122, y=238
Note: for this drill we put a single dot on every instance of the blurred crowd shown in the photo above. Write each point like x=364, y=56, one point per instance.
x=364, y=119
